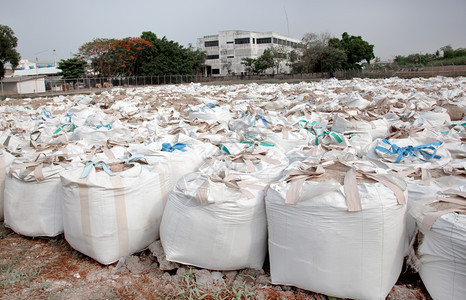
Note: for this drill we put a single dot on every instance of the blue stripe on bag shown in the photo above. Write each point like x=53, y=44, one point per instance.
x=108, y=126
x=91, y=164
x=415, y=151
x=169, y=148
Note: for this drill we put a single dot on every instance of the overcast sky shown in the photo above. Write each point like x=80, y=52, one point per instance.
x=394, y=27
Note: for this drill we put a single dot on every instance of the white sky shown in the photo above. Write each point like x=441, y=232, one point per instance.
x=394, y=27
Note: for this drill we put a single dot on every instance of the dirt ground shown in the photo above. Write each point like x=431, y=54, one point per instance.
x=48, y=268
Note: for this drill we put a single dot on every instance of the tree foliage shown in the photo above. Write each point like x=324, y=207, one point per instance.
x=356, y=50
x=450, y=56
x=249, y=64
x=315, y=54
x=323, y=53
x=111, y=57
x=166, y=57
x=8, y=53
x=271, y=58
x=72, y=68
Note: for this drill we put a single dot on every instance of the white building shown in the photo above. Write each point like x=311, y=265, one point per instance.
x=22, y=85
x=226, y=49
x=28, y=68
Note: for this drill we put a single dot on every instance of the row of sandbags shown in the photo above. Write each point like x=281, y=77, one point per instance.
x=234, y=200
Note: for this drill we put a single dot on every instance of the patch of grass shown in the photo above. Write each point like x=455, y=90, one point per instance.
x=24, y=277
x=4, y=231
x=190, y=289
x=10, y=274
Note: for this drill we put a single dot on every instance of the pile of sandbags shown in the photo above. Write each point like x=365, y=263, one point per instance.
x=202, y=166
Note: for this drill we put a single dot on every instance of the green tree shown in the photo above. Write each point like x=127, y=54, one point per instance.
x=275, y=56
x=356, y=49
x=8, y=53
x=317, y=54
x=448, y=51
x=295, y=62
x=166, y=57
x=99, y=52
x=249, y=64
x=72, y=68
x=264, y=62
x=112, y=57
x=313, y=50
x=401, y=60
x=333, y=59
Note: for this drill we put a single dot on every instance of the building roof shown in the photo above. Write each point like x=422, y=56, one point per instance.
x=245, y=32
x=21, y=78
x=37, y=71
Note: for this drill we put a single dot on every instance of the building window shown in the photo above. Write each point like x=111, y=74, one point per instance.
x=215, y=71
x=230, y=56
x=264, y=40
x=211, y=43
x=216, y=56
x=242, y=41
x=230, y=42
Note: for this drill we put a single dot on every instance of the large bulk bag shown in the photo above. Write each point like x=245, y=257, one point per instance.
x=95, y=134
x=210, y=111
x=401, y=154
x=182, y=153
x=344, y=240
x=439, y=251
x=216, y=223
x=263, y=163
x=378, y=128
x=15, y=141
x=5, y=161
x=248, y=123
x=304, y=152
x=424, y=185
x=111, y=214
x=285, y=138
x=33, y=202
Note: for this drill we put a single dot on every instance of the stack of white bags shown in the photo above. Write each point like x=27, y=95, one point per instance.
x=338, y=181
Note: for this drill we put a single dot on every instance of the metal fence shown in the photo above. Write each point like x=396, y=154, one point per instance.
x=55, y=85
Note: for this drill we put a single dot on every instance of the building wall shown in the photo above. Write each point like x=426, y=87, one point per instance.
x=226, y=49
x=10, y=86
x=30, y=86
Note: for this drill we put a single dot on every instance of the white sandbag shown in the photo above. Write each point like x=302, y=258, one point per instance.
x=109, y=215
x=5, y=161
x=354, y=100
x=440, y=254
x=33, y=202
x=285, y=138
x=304, y=152
x=255, y=120
x=15, y=141
x=432, y=118
x=210, y=111
x=320, y=239
x=376, y=128
x=215, y=223
x=264, y=164
x=218, y=138
x=182, y=153
x=400, y=154
x=101, y=133
x=360, y=142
